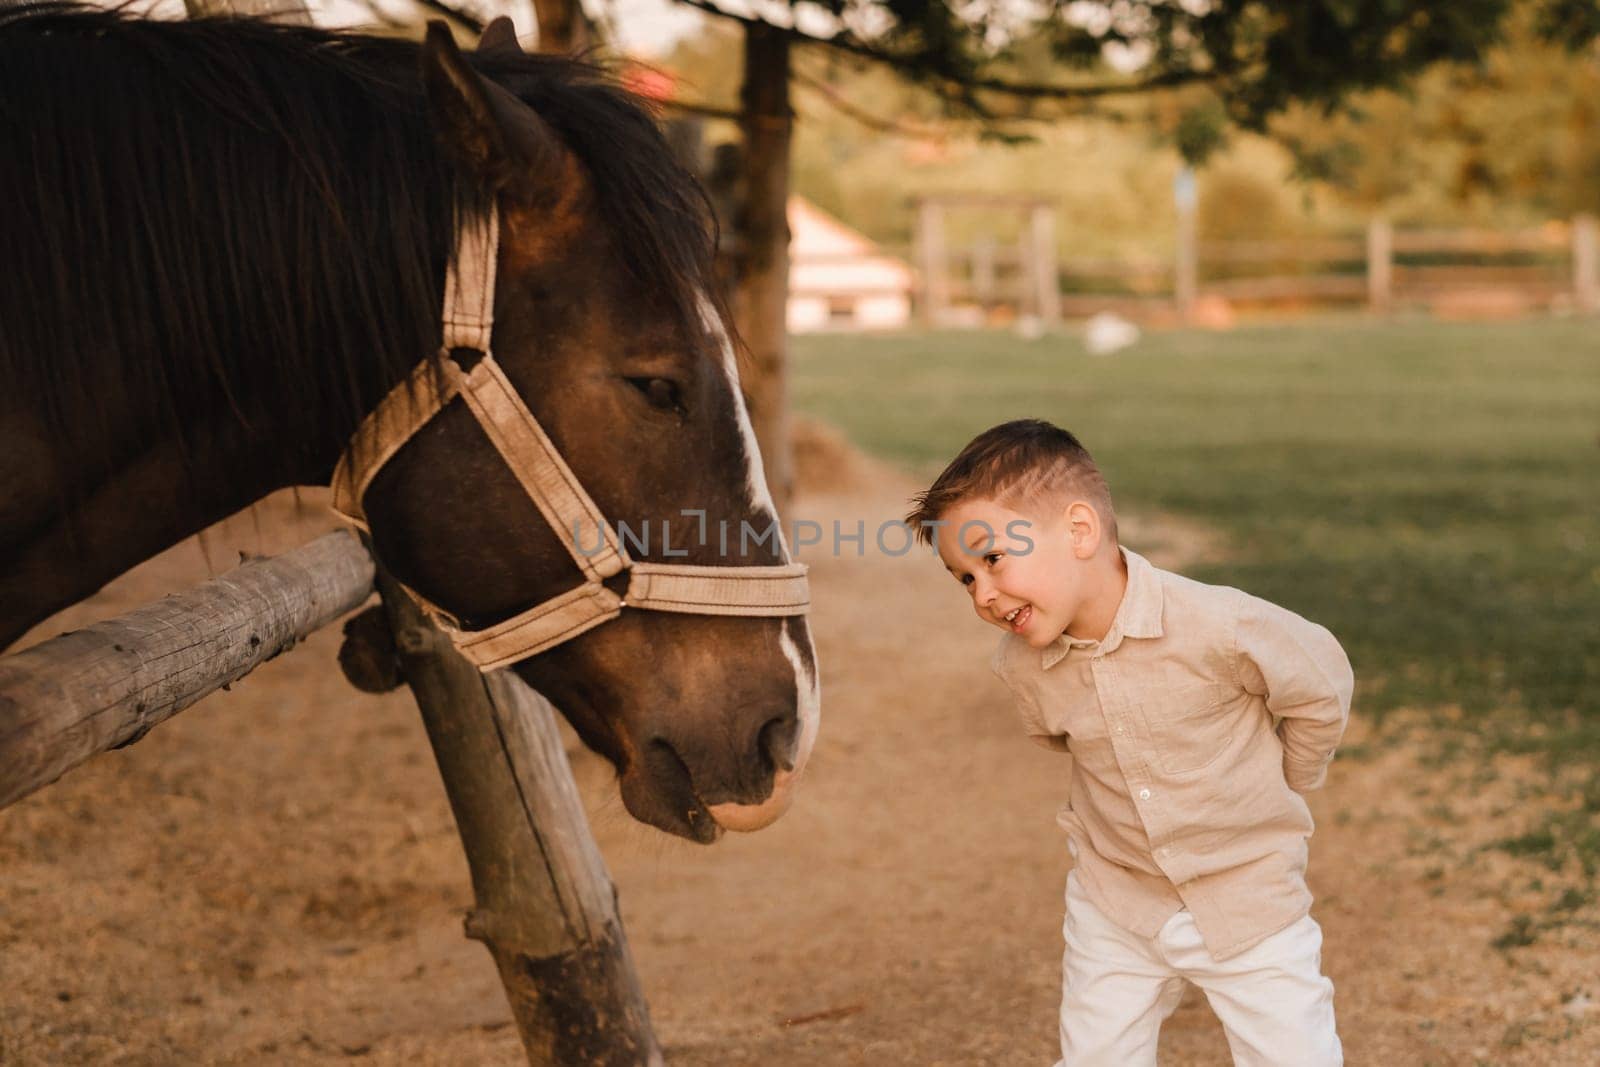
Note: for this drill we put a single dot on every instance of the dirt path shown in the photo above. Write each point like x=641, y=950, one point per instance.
x=273, y=877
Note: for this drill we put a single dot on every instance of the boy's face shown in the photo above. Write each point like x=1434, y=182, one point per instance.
x=1025, y=573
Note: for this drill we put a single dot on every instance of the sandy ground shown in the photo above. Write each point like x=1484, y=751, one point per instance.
x=273, y=877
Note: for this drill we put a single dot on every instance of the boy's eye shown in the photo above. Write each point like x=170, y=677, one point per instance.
x=966, y=579
x=991, y=558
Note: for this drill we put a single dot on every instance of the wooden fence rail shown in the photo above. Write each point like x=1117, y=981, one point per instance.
x=1555, y=265
x=106, y=685
x=545, y=905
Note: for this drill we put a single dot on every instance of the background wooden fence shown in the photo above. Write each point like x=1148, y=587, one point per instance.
x=1553, y=267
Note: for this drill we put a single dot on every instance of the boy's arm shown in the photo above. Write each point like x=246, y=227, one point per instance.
x=1306, y=679
x=1026, y=705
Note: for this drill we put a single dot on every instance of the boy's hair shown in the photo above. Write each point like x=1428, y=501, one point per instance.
x=1023, y=463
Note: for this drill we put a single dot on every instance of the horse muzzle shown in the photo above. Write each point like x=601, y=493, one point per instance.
x=698, y=794
x=747, y=818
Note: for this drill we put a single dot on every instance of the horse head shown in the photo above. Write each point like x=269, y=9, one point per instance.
x=624, y=359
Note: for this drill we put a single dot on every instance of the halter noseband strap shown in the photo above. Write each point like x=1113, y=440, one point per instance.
x=774, y=590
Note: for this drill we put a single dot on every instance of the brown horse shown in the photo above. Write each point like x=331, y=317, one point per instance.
x=226, y=241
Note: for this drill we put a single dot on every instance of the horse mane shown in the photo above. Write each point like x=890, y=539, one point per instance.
x=226, y=213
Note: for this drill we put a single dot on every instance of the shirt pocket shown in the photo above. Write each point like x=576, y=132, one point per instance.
x=1189, y=726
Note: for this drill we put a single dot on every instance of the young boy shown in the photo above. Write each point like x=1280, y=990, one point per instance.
x=1195, y=715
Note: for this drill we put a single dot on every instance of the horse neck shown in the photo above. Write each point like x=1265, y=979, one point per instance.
x=153, y=493
x=148, y=403
x=152, y=500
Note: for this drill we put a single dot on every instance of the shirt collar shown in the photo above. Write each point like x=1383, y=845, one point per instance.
x=1139, y=614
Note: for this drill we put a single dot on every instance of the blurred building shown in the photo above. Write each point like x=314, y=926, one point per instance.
x=840, y=280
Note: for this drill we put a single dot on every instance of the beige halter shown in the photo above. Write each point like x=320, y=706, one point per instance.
x=468, y=321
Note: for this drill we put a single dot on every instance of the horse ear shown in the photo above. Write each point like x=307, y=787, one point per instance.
x=485, y=127
x=499, y=36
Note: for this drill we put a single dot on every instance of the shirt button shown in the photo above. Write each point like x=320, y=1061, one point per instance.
x=1144, y=794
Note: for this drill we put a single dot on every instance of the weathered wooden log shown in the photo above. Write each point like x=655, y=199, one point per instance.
x=545, y=905
x=288, y=12
x=106, y=685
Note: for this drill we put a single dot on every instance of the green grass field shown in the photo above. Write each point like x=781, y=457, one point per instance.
x=1429, y=492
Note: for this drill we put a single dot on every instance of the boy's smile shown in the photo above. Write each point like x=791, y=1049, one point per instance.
x=1030, y=575
x=1004, y=560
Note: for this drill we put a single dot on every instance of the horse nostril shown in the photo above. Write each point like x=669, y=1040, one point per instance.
x=776, y=743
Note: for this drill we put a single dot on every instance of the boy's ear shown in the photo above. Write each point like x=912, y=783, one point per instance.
x=486, y=128
x=1083, y=528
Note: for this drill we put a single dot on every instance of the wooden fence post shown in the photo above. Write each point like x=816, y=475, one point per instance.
x=983, y=271
x=545, y=905
x=1045, y=278
x=1380, y=265
x=931, y=263
x=1586, y=263
x=1186, y=279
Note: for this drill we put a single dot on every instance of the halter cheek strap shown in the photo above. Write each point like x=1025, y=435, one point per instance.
x=760, y=591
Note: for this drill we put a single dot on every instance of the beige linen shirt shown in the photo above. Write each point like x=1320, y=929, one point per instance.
x=1194, y=725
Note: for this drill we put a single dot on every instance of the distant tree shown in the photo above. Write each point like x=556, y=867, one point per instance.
x=1241, y=61
x=1517, y=130
x=1000, y=61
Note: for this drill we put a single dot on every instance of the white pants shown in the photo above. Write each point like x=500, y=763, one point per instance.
x=1118, y=988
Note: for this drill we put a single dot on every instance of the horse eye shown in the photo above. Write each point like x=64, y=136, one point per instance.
x=661, y=392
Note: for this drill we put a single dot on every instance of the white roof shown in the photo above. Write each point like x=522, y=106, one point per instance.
x=828, y=257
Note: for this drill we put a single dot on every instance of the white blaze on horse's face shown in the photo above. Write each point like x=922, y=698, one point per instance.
x=807, y=686
x=760, y=494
